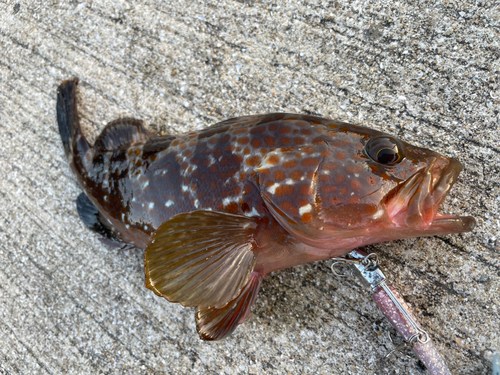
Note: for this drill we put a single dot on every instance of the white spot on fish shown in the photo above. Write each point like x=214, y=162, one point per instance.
x=289, y=181
x=127, y=226
x=151, y=205
x=305, y=209
x=272, y=189
x=252, y=213
x=169, y=203
x=184, y=188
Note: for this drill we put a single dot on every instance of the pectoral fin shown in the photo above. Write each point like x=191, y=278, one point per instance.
x=215, y=324
x=202, y=258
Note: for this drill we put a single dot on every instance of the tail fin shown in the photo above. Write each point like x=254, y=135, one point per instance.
x=75, y=144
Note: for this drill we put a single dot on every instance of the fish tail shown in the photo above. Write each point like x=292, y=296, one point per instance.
x=74, y=142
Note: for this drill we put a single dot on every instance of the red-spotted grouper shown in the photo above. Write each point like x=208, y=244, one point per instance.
x=218, y=209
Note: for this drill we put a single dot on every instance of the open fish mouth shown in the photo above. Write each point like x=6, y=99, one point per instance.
x=414, y=205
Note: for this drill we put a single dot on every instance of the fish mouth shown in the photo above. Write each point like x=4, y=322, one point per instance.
x=415, y=203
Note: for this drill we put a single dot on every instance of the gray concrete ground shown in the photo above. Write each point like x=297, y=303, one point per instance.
x=425, y=71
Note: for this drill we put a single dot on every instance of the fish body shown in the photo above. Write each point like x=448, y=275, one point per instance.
x=218, y=209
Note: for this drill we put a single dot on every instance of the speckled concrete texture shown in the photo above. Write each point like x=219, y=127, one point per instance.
x=427, y=72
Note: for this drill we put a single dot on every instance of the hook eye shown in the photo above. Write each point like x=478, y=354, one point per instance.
x=335, y=266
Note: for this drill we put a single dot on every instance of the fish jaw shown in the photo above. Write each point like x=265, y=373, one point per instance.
x=412, y=206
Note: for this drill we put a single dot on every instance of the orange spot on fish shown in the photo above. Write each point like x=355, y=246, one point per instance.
x=213, y=140
x=269, y=183
x=214, y=168
x=340, y=178
x=284, y=129
x=318, y=141
x=306, y=217
x=343, y=191
x=353, y=200
x=309, y=162
x=329, y=189
x=285, y=141
x=269, y=141
x=183, y=146
x=284, y=190
x=237, y=159
x=243, y=140
x=355, y=184
x=217, y=152
x=296, y=175
x=240, y=130
x=306, y=190
x=273, y=126
x=256, y=143
x=306, y=131
x=299, y=141
x=324, y=177
x=279, y=175
x=341, y=155
x=303, y=202
x=287, y=206
x=359, y=146
x=258, y=129
x=252, y=161
x=330, y=166
x=354, y=168
x=264, y=171
x=224, y=161
x=175, y=143
x=273, y=159
x=290, y=164
x=325, y=153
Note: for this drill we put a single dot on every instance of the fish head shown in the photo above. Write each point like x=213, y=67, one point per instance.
x=361, y=186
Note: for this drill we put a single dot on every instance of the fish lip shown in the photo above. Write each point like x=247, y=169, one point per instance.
x=416, y=202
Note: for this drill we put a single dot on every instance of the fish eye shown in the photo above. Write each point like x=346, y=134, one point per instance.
x=384, y=150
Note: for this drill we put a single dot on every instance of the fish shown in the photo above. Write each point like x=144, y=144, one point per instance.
x=218, y=209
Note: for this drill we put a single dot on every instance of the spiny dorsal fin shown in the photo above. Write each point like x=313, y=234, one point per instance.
x=122, y=133
x=201, y=258
x=215, y=324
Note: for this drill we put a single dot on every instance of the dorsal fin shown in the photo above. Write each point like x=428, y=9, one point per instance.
x=122, y=133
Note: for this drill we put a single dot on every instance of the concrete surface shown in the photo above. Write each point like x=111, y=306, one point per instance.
x=425, y=71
